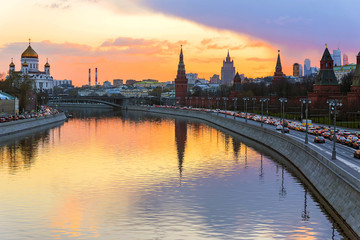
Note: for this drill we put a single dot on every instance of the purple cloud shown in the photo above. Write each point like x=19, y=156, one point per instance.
x=293, y=24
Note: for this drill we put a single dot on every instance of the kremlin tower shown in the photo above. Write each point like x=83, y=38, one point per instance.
x=278, y=74
x=181, y=81
x=326, y=85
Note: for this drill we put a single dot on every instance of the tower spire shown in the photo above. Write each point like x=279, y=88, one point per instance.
x=278, y=63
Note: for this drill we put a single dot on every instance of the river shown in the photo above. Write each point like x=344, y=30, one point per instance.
x=130, y=175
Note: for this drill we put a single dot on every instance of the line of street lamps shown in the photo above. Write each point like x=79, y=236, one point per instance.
x=333, y=104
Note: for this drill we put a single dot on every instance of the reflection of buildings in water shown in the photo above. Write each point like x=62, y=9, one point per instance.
x=246, y=163
x=21, y=153
x=226, y=141
x=180, y=140
x=236, y=148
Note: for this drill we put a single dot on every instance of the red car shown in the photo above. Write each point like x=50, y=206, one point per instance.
x=319, y=139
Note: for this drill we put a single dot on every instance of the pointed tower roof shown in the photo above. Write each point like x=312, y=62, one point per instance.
x=326, y=74
x=278, y=63
x=326, y=55
x=181, y=65
x=228, y=59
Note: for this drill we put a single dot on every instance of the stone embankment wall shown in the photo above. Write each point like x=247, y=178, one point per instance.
x=25, y=124
x=339, y=189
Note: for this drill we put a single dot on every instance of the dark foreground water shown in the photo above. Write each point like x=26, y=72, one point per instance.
x=134, y=176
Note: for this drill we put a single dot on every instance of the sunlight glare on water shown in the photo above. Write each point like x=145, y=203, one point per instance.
x=138, y=176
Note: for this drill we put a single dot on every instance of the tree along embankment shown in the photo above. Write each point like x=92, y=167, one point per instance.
x=12, y=127
x=334, y=186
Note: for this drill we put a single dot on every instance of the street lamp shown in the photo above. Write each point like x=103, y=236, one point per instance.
x=235, y=103
x=225, y=99
x=186, y=101
x=202, y=102
x=190, y=101
x=301, y=109
x=262, y=100
x=197, y=101
x=334, y=103
x=282, y=110
x=210, y=101
x=246, y=99
x=328, y=102
x=42, y=100
x=306, y=101
x=217, y=102
x=253, y=100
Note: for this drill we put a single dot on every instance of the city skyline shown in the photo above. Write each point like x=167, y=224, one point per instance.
x=141, y=39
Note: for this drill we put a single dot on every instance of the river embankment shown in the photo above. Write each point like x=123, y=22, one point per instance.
x=8, y=128
x=338, y=188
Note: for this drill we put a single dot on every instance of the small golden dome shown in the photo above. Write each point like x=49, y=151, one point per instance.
x=11, y=64
x=47, y=64
x=25, y=64
x=29, y=53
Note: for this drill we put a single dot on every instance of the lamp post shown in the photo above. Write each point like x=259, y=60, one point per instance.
x=202, y=102
x=197, y=101
x=253, y=100
x=42, y=100
x=262, y=100
x=328, y=102
x=217, y=102
x=225, y=99
x=190, y=101
x=306, y=101
x=210, y=101
x=334, y=103
x=246, y=99
x=282, y=110
x=235, y=103
x=301, y=109
x=186, y=101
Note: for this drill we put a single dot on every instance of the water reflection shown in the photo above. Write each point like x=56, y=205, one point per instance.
x=180, y=140
x=19, y=151
x=116, y=176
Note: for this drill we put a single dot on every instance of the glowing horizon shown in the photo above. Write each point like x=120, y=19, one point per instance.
x=140, y=40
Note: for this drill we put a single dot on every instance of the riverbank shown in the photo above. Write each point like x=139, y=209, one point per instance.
x=8, y=128
x=338, y=188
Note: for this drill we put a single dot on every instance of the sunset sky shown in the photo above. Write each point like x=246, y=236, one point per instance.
x=140, y=39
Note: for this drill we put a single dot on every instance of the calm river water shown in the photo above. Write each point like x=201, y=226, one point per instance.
x=109, y=175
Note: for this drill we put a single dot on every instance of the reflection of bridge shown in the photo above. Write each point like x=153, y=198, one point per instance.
x=115, y=102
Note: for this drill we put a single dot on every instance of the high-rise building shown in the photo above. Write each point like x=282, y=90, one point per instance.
x=278, y=74
x=307, y=66
x=227, y=71
x=345, y=59
x=296, y=70
x=192, y=77
x=337, y=57
x=181, y=81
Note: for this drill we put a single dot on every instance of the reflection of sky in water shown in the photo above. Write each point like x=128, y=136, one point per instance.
x=149, y=177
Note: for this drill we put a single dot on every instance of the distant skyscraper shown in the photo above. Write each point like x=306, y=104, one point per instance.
x=227, y=71
x=345, y=59
x=296, y=70
x=307, y=66
x=300, y=70
x=337, y=57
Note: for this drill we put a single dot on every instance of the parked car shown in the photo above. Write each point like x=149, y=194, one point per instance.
x=286, y=130
x=319, y=139
x=357, y=154
x=279, y=127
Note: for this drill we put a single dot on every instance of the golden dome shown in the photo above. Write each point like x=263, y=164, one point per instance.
x=29, y=53
x=47, y=63
x=25, y=64
x=11, y=64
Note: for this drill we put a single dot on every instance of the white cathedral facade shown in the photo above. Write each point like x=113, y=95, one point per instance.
x=44, y=82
